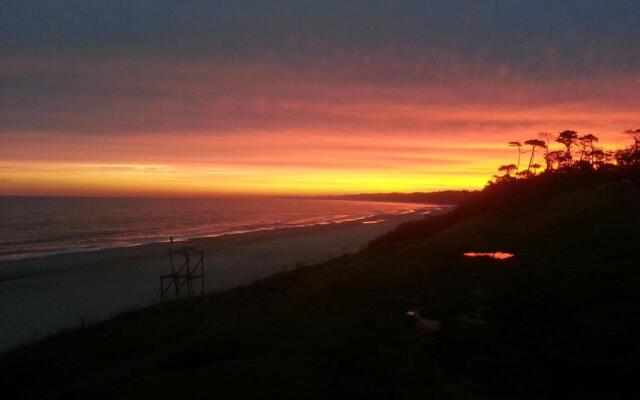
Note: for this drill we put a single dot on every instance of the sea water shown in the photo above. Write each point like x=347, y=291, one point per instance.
x=38, y=226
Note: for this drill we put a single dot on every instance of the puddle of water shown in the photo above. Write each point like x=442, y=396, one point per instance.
x=375, y=221
x=498, y=255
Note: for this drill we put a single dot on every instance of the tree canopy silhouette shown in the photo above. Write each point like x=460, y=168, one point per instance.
x=587, y=146
x=507, y=169
x=518, y=145
x=534, y=143
x=568, y=138
x=592, y=158
x=635, y=135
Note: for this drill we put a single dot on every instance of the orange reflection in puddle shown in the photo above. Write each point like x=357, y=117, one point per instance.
x=376, y=221
x=498, y=255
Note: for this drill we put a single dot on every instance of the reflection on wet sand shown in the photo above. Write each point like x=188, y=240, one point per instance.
x=498, y=255
x=375, y=221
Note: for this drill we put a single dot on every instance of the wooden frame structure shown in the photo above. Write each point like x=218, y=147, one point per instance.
x=182, y=279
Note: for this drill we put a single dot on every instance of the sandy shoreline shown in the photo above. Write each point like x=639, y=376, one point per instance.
x=43, y=295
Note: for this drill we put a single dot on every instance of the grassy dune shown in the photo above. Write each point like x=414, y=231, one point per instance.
x=559, y=318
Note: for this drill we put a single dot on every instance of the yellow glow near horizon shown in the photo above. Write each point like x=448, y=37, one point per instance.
x=252, y=165
x=363, y=142
x=87, y=179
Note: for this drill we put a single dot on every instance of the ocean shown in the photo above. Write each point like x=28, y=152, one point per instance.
x=39, y=226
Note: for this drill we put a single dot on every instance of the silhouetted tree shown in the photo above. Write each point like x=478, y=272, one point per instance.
x=599, y=158
x=535, y=167
x=546, y=137
x=587, y=146
x=567, y=138
x=627, y=157
x=534, y=143
x=555, y=159
x=635, y=135
x=594, y=161
x=508, y=169
x=519, y=146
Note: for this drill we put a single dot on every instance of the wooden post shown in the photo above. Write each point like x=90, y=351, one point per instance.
x=202, y=272
x=182, y=277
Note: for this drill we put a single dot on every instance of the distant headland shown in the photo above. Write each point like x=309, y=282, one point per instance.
x=440, y=197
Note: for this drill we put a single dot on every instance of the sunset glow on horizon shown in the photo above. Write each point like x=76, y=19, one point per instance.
x=370, y=97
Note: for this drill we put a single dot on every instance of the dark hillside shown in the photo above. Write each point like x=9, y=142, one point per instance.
x=559, y=319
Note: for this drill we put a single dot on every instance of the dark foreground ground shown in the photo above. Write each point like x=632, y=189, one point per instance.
x=560, y=319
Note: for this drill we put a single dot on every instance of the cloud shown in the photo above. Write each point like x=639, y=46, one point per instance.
x=123, y=97
x=226, y=66
x=243, y=87
x=524, y=35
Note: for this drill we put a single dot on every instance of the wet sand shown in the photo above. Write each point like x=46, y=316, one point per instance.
x=41, y=296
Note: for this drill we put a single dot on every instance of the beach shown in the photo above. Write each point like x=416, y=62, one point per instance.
x=41, y=296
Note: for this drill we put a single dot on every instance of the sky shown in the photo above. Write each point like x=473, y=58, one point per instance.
x=188, y=97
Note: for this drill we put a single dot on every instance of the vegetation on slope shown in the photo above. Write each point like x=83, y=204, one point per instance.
x=558, y=319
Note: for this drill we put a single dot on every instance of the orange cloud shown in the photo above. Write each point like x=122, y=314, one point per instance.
x=204, y=129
